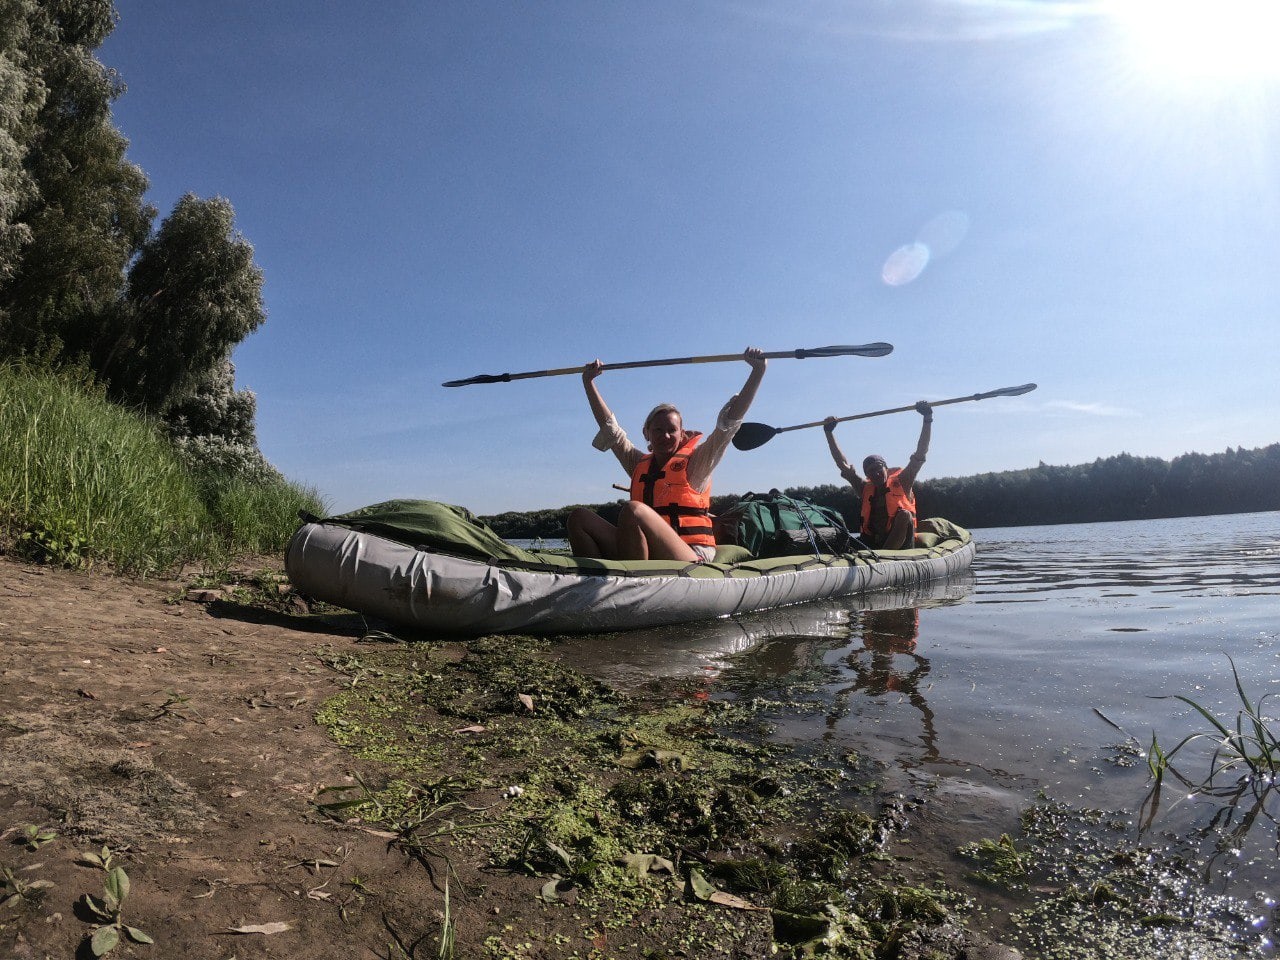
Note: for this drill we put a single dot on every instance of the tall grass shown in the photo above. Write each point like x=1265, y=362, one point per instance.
x=100, y=483
x=257, y=515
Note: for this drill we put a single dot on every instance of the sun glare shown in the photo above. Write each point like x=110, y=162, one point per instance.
x=1204, y=40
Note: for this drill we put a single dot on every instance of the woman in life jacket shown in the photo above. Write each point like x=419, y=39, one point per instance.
x=888, y=499
x=668, y=516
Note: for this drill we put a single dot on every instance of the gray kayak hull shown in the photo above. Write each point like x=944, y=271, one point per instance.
x=439, y=592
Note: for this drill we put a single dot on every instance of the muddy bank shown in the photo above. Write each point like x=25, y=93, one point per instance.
x=278, y=781
x=177, y=740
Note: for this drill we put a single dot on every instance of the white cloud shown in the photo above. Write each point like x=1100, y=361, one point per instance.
x=1091, y=409
x=923, y=21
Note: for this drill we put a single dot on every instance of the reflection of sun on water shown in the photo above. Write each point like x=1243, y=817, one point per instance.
x=1203, y=41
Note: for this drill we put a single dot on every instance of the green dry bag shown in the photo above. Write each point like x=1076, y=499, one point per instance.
x=775, y=525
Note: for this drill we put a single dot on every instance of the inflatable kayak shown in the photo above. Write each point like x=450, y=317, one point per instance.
x=437, y=567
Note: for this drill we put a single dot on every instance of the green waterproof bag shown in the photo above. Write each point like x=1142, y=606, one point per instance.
x=775, y=525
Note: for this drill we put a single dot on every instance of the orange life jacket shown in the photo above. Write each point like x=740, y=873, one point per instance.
x=668, y=492
x=895, y=497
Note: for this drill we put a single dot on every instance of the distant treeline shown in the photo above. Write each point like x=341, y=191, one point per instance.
x=1123, y=487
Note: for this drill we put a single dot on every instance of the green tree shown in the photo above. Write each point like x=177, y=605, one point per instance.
x=82, y=216
x=193, y=293
x=214, y=428
x=82, y=276
x=21, y=96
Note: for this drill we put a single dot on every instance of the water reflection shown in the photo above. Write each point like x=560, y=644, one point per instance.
x=888, y=663
x=984, y=694
x=769, y=646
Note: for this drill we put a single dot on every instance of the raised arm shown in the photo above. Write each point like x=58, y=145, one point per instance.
x=599, y=409
x=738, y=407
x=844, y=466
x=908, y=476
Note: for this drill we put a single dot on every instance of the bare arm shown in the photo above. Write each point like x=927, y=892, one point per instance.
x=739, y=405
x=843, y=465
x=611, y=436
x=908, y=476
x=599, y=409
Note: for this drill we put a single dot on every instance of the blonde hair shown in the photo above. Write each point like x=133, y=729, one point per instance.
x=658, y=411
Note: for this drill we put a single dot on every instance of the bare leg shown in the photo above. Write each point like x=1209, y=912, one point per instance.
x=590, y=535
x=644, y=535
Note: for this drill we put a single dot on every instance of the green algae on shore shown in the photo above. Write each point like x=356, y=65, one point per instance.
x=633, y=813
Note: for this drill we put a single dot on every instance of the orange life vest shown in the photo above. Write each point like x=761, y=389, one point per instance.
x=895, y=499
x=669, y=493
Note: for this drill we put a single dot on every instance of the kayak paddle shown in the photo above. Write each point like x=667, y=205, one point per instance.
x=865, y=350
x=752, y=435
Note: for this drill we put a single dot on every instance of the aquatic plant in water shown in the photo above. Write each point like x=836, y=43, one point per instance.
x=1089, y=891
x=1251, y=744
x=1249, y=748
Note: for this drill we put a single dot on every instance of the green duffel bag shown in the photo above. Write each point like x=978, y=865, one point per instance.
x=775, y=525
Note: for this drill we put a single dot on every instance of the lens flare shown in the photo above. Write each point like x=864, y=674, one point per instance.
x=944, y=232
x=905, y=264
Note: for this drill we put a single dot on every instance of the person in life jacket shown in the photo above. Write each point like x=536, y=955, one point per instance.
x=668, y=516
x=888, y=500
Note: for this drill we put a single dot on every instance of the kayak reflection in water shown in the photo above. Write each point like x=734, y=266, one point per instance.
x=889, y=644
x=668, y=516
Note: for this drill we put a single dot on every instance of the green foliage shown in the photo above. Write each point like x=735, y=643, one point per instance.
x=256, y=514
x=71, y=461
x=20, y=96
x=34, y=837
x=104, y=859
x=1122, y=487
x=14, y=889
x=79, y=215
x=999, y=862
x=1250, y=744
x=215, y=411
x=57, y=542
x=194, y=292
x=107, y=911
x=83, y=278
x=81, y=479
x=213, y=431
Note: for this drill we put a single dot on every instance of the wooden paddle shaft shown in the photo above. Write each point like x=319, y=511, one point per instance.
x=1005, y=392
x=864, y=350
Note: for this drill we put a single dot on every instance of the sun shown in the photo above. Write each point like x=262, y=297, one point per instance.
x=1203, y=41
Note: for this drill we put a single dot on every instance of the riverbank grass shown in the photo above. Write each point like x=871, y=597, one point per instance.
x=84, y=481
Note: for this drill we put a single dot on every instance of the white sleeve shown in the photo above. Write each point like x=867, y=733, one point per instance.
x=708, y=453
x=609, y=435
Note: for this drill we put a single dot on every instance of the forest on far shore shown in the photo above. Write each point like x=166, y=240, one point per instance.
x=1122, y=487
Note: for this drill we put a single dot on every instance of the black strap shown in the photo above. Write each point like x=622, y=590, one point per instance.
x=647, y=481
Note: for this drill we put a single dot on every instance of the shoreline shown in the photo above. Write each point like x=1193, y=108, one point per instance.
x=279, y=781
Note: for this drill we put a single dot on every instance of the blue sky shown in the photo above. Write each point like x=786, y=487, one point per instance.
x=1081, y=195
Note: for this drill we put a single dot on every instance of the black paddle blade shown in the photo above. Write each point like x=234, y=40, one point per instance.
x=483, y=378
x=752, y=435
x=864, y=350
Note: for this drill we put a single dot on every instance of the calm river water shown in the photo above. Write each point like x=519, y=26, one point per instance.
x=1015, y=682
